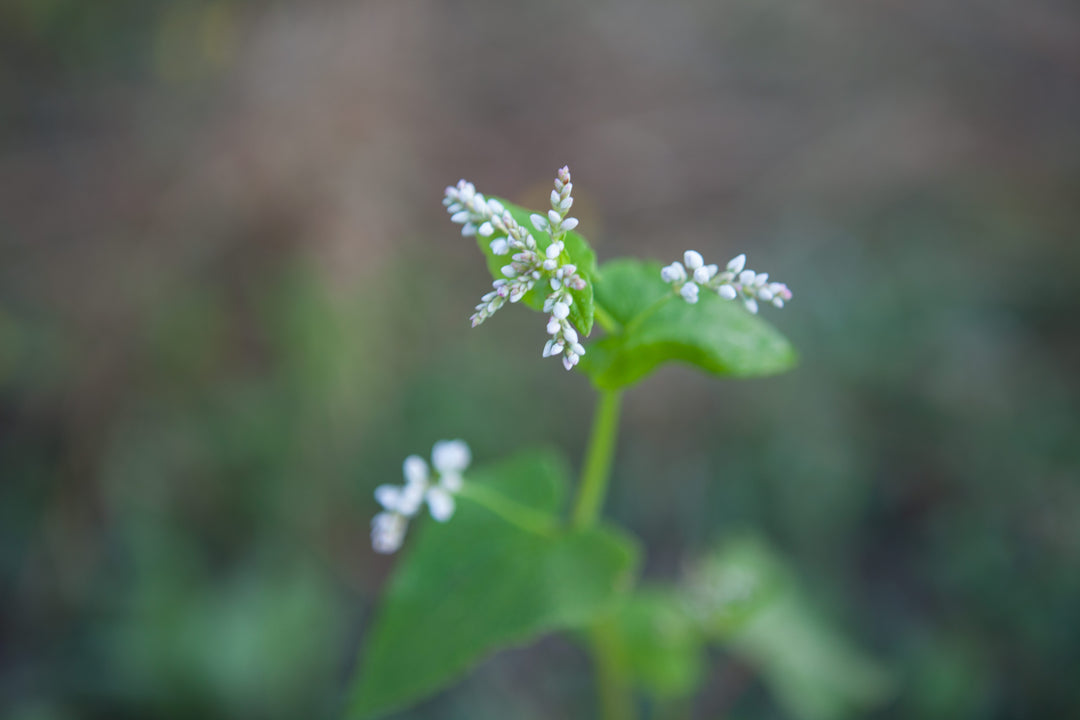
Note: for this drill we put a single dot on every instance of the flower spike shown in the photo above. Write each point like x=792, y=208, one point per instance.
x=529, y=266
x=692, y=274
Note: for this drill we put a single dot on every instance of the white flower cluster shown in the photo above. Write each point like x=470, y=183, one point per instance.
x=688, y=276
x=529, y=264
x=400, y=503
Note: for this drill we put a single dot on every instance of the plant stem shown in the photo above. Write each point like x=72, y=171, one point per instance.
x=616, y=701
x=594, y=478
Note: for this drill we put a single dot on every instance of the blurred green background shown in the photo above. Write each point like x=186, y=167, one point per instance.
x=231, y=303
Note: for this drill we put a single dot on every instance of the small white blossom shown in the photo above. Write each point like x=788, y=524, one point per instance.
x=736, y=281
x=689, y=291
x=450, y=458
x=529, y=264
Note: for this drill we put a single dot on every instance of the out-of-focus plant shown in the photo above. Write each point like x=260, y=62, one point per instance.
x=507, y=562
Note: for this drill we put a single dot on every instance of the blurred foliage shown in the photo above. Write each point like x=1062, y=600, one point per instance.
x=199, y=387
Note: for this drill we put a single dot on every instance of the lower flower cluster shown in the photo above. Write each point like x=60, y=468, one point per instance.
x=689, y=276
x=450, y=458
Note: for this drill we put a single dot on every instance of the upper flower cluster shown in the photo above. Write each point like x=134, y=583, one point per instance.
x=450, y=459
x=735, y=281
x=529, y=265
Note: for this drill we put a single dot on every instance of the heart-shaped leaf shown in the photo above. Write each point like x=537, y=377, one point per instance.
x=478, y=583
x=657, y=326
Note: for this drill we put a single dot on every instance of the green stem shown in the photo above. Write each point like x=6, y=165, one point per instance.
x=594, y=478
x=616, y=700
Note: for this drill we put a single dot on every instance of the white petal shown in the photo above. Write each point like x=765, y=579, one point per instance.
x=751, y=305
x=746, y=277
x=689, y=292
x=560, y=310
x=554, y=218
x=569, y=223
x=411, y=497
x=441, y=503
x=389, y=496
x=415, y=470
x=693, y=259
x=388, y=532
x=486, y=229
x=673, y=273
x=500, y=246
x=553, y=250
x=737, y=264
x=450, y=456
x=565, y=204
x=727, y=292
x=555, y=198
x=570, y=334
x=460, y=217
x=452, y=482
x=553, y=326
x=702, y=274
x=539, y=222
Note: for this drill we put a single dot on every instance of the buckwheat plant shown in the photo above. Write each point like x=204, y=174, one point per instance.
x=505, y=564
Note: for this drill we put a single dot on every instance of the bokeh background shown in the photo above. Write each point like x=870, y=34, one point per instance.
x=231, y=303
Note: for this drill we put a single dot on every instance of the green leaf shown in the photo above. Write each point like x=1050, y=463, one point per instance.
x=661, y=643
x=576, y=250
x=477, y=583
x=751, y=603
x=657, y=326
